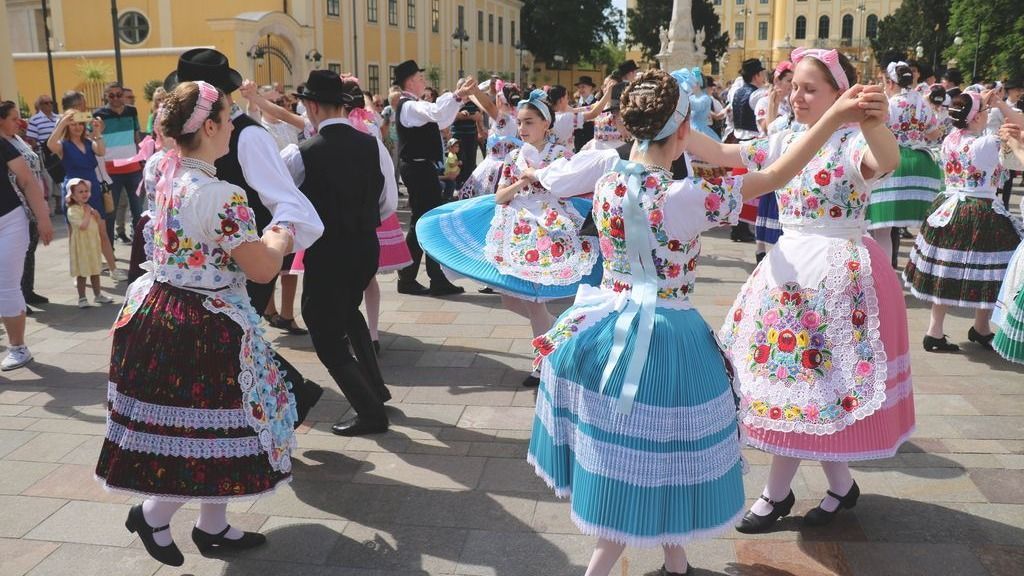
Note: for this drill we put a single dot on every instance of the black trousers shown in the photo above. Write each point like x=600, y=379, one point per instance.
x=259, y=296
x=425, y=194
x=331, y=295
x=1006, y=191
x=28, y=276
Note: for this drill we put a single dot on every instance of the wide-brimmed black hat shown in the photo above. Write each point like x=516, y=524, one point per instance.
x=627, y=67
x=751, y=66
x=325, y=86
x=586, y=81
x=1013, y=84
x=206, y=65
x=405, y=70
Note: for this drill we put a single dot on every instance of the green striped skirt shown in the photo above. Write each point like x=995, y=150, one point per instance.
x=903, y=198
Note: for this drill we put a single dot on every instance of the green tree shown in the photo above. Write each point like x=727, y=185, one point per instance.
x=999, y=25
x=915, y=22
x=643, y=27
x=606, y=57
x=569, y=29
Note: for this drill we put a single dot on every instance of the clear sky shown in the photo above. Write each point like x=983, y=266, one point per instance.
x=621, y=5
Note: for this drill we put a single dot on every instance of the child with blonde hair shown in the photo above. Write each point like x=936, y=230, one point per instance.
x=84, y=241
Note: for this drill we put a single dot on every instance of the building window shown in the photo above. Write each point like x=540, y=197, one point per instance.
x=371, y=10
x=480, y=25
x=393, y=12
x=871, y=26
x=501, y=30
x=512, y=33
x=739, y=2
x=717, y=3
x=133, y=27
x=764, y=1
x=762, y=30
x=373, y=85
x=435, y=15
x=739, y=31
x=334, y=67
x=410, y=14
x=823, y=27
x=334, y=7
x=847, y=29
x=391, y=73
x=490, y=28
x=801, y=27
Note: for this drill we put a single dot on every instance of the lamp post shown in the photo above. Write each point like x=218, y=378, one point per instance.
x=559, y=59
x=315, y=57
x=861, y=9
x=117, y=42
x=745, y=12
x=49, y=53
x=520, y=46
x=959, y=41
x=461, y=36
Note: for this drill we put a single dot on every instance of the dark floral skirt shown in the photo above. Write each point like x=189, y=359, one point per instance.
x=176, y=426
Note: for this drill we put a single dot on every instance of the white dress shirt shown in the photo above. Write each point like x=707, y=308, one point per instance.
x=416, y=112
x=388, y=200
x=267, y=175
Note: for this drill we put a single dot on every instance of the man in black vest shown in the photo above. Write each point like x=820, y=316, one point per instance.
x=585, y=86
x=745, y=122
x=253, y=164
x=420, y=149
x=349, y=178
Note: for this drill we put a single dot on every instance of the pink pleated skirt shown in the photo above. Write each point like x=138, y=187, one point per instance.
x=880, y=434
x=394, y=253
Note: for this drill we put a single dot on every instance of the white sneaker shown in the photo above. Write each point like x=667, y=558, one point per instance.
x=119, y=275
x=102, y=299
x=17, y=356
x=83, y=302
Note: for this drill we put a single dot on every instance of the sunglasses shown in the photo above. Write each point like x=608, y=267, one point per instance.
x=115, y=95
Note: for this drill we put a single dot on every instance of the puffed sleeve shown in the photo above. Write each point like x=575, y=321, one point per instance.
x=565, y=177
x=225, y=216
x=693, y=205
x=853, y=157
x=759, y=153
x=508, y=176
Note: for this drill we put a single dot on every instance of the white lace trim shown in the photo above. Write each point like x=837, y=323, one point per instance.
x=953, y=256
x=646, y=422
x=176, y=446
x=967, y=273
x=176, y=416
x=832, y=456
x=205, y=499
x=948, y=301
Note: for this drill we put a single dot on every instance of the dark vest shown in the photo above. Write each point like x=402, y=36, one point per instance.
x=344, y=183
x=420, y=143
x=742, y=115
x=230, y=170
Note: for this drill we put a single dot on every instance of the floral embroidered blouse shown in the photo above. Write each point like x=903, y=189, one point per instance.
x=605, y=129
x=500, y=136
x=971, y=162
x=910, y=117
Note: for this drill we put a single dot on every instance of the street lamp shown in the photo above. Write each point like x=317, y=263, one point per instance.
x=315, y=57
x=745, y=12
x=560, y=59
x=522, y=69
x=461, y=36
x=861, y=9
x=958, y=40
x=919, y=51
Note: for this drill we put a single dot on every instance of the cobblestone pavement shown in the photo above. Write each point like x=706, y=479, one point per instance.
x=448, y=490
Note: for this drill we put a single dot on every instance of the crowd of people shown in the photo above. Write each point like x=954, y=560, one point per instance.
x=601, y=194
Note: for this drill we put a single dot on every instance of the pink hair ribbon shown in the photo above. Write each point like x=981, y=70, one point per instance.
x=208, y=94
x=783, y=66
x=830, y=58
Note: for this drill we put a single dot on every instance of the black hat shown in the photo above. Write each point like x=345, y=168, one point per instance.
x=206, y=65
x=1013, y=84
x=328, y=87
x=405, y=70
x=627, y=67
x=751, y=66
x=586, y=81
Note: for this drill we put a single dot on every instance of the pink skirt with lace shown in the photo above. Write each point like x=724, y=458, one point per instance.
x=394, y=253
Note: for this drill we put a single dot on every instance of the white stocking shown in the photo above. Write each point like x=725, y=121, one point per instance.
x=884, y=238
x=158, y=513
x=675, y=559
x=372, y=298
x=780, y=477
x=839, y=482
x=605, y=554
x=213, y=519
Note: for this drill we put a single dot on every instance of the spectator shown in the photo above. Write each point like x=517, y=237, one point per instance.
x=158, y=99
x=73, y=100
x=10, y=123
x=122, y=133
x=40, y=126
x=13, y=247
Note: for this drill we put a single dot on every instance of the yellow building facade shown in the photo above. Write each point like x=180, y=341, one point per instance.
x=266, y=40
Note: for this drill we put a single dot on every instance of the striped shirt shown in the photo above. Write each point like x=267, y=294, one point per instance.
x=119, y=132
x=40, y=126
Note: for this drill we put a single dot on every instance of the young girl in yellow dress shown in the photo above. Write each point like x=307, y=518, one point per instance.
x=84, y=242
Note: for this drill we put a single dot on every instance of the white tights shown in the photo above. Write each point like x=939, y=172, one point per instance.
x=536, y=312
x=371, y=296
x=780, y=478
x=883, y=236
x=213, y=518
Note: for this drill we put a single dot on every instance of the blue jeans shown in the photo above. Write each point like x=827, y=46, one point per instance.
x=125, y=184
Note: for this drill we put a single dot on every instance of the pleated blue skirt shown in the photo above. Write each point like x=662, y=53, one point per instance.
x=454, y=234
x=668, y=472
x=767, y=228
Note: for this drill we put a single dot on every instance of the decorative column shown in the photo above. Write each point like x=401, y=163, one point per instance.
x=679, y=48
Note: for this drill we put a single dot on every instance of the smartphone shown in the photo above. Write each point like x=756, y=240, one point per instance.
x=82, y=117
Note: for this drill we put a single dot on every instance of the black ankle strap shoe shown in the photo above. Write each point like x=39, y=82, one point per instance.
x=207, y=542
x=136, y=524
x=755, y=524
x=939, y=345
x=818, y=516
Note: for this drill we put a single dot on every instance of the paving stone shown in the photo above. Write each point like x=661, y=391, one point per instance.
x=510, y=475
x=1000, y=486
x=17, y=557
x=11, y=440
x=1001, y=560
x=16, y=476
x=935, y=485
x=23, y=513
x=870, y=558
x=471, y=510
x=497, y=418
x=85, y=523
x=810, y=558
x=488, y=554
x=433, y=550
x=14, y=423
x=47, y=447
x=424, y=471
x=74, y=482
x=446, y=359
x=463, y=395
x=12, y=410
x=371, y=504
x=82, y=560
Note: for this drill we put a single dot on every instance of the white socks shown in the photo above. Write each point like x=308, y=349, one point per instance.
x=158, y=513
x=213, y=518
x=780, y=477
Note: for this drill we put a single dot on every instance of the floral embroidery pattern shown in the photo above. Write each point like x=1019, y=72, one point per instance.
x=971, y=162
x=910, y=118
x=605, y=130
x=565, y=328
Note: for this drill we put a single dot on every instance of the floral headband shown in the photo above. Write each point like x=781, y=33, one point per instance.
x=830, y=58
x=538, y=99
x=208, y=94
x=784, y=66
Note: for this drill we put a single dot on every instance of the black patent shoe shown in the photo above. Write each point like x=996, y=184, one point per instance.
x=818, y=516
x=412, y=288
x=755, y=524
x=985, y=340
x=360, y=427
x=531, y=381
x=445, y=289
x=665, y=572
x=136, y=524
x=939, y=345
x=207, y=542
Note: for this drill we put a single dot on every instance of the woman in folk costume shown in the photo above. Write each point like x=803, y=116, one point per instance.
x=568, y=119
x=701, y=106
x=501, y=140
x=818, y=333
x=636, y=417
x=774, y=114
x=227, y=433
x=524, y=241
x=964, y=247
x=609, y=132
x=903, y=198
x=1009, y=313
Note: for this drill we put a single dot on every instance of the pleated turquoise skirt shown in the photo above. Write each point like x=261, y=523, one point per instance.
x=668, y=472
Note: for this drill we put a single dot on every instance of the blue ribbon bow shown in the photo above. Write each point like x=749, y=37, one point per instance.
x=539, y=100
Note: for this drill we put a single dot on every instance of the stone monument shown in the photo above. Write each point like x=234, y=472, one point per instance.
x=680, y=47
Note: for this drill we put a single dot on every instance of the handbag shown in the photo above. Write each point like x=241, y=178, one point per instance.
x=108, y=198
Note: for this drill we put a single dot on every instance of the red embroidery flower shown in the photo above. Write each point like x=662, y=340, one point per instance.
x=835, y=211
x=171, y=241
x=850, y=403
x=811, y=359
x=853, y=265
x=620, y=190
x=617, y=226
x=859, y=317
x=228, y=227
x=543, y=345
x=775, y=413
x=557, y=249
x=737, y=315
x=822, y=178
x=762, y=353
x=196, y=259
x=787, y=341
x=673, y=271
x=784, y=299
x=716, y=181
x=674, y=245
x=606, y=206
x=531, y=255
x=585, y=245
x=257, y=411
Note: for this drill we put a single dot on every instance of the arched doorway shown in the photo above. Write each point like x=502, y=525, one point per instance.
x=272, y=60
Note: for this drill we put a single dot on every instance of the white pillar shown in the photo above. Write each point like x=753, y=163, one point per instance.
x=8, y=84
